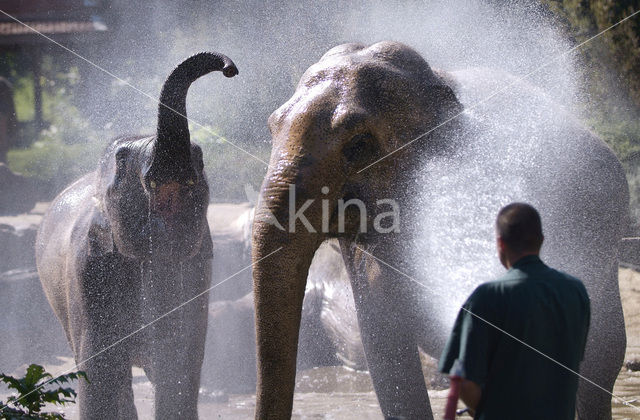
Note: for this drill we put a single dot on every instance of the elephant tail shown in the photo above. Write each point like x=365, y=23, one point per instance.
x=173, y=129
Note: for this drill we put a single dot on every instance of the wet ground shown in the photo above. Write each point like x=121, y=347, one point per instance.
x=628, y=384
x=321, y=393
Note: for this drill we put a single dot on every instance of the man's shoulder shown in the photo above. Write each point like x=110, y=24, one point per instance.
x=489, y=290
x=567, y=280
x=508, y=280
x=516, y=278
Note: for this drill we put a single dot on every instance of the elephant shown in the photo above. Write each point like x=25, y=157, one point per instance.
x=329, y=333
x=123, y=248
x=375, y=125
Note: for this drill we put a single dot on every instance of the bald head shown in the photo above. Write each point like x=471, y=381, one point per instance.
x=518, y=226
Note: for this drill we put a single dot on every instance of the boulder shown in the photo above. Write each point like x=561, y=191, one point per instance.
x=17, y=246
x=231, y=234
x=19, y=193
x=29, y=329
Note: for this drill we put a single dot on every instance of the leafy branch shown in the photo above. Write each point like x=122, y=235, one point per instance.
x=33, y=392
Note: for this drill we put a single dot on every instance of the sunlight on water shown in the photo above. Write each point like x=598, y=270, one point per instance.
x=501, y=146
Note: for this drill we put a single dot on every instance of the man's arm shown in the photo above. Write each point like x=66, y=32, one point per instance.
x=470, y=343
x=470, y=394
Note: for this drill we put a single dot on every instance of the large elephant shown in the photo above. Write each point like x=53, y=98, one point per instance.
x=126, y=244
x=377, y=124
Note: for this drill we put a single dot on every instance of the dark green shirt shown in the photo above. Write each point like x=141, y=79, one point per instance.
x=540, y=306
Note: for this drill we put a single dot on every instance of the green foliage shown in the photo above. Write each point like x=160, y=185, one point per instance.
x=34, y=391
x=228, y=168
x=68, y=148
x=55, y=163
x=624, y=41
x=617, y=49
x=621, y=132
x=612, y=69
x=24, y=98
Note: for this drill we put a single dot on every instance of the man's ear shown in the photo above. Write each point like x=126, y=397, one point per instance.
x=100, y=236
x=500, y=244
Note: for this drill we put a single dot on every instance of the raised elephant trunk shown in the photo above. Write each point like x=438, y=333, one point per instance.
x=173, y=140
x=140, y=246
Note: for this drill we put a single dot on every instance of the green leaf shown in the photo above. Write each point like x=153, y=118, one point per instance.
x=34, y=374
x=33, y=393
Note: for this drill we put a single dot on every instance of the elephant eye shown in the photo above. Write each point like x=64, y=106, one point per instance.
x=359, y=147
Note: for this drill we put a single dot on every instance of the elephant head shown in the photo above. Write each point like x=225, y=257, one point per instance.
x=152, y=191
x=355, y=106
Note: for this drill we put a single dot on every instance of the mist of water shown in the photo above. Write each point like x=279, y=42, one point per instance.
x=274, y=42
x=511, y=149
x=485, y=45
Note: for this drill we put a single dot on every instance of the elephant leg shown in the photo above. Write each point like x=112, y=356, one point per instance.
x=176, y=391
x=97, y=323
x=604, y=354
x=108, y=392
x=173, y=343
x=388, y=329
x=127, y=409
x=176, y=384
x=177, y=360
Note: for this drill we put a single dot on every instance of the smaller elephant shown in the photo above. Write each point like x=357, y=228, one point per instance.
x=124, y=245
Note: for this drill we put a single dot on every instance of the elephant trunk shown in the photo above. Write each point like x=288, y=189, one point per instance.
x=281, y=265
x=173, y=140
x=283, y=247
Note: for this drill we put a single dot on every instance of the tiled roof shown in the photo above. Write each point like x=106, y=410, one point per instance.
x=50, y=27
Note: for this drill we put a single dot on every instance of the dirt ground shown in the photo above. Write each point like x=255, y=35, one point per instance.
x=628, y=384
x=339, y=393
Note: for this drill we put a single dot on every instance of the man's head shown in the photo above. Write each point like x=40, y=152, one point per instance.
x=519, y=232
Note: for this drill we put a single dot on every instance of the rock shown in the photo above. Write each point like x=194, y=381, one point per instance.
x=230, y=363
x=19, y=194
x=633, y=365
x=231, y=234
x=17, y=246
x=29, y=329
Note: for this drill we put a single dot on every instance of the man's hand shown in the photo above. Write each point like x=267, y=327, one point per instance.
x=470, y=394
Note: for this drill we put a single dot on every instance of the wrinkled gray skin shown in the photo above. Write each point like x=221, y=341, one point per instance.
x=354, y=106
x=124, y=245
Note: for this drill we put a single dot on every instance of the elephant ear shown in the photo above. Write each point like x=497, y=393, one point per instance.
x=443, y=90
x=100, y=236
